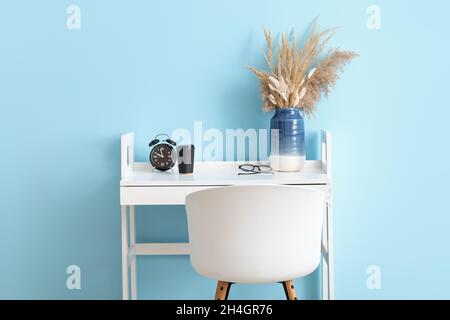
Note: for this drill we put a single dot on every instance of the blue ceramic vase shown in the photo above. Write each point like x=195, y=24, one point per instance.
x=287, y=140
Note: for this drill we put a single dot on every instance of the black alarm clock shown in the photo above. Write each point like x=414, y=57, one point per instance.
x=162, y=155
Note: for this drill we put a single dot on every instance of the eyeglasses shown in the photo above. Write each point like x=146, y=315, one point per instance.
x=254, y=169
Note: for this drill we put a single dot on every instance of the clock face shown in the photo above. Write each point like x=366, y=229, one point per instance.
x=162, y=157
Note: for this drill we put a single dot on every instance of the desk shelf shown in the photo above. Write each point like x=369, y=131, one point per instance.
x=219, y=173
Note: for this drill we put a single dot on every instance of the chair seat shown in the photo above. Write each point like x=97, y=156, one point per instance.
x=271, y=271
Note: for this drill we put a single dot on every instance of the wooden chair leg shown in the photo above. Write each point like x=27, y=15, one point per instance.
x=289, y=290
x=223, y=288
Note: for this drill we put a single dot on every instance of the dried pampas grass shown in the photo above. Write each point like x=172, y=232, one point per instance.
x=297, y=75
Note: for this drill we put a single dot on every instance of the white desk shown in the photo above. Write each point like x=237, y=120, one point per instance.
x=140, y=185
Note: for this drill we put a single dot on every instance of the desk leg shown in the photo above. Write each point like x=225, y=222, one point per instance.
x=327, y=255
x=124, y=253
x=133, y=258
x=330, y=252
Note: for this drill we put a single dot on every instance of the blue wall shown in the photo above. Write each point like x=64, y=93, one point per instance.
x=153, y=66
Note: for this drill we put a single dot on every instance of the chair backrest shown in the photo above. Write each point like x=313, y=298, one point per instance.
x=255, y=234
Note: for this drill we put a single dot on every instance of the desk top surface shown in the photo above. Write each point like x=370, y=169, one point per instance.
x=222, y=174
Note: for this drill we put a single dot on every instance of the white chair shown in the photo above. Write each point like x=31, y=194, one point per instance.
x=255, y=234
